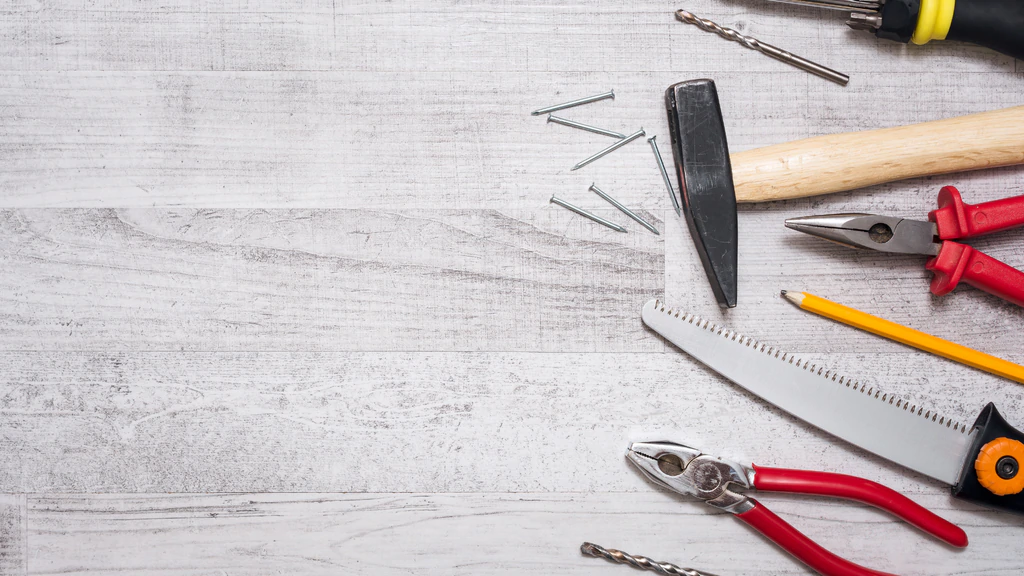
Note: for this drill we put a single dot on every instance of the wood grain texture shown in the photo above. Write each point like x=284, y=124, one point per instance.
x=305, y=246
x=527, y=36
x=255, y=534
x=13, y=538
x=420, y=422
x=163, y=279
x=841, y=162
x=411, y=139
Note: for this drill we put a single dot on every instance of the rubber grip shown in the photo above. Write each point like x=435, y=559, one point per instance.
x=956, y=219
x=801, y=547
x=860, y=490
x=995, y=24
x=959, y=262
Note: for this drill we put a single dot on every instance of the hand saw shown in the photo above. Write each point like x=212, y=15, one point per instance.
x=981, y=462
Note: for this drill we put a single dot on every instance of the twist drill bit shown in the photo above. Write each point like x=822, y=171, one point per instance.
x=638, y=561
x=766, y=49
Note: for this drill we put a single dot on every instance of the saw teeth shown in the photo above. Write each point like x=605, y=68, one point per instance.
x=813, y=368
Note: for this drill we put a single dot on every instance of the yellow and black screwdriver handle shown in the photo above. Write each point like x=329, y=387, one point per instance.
x=995, y=24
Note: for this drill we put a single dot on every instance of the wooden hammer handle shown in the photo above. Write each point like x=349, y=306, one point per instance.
x=840, y=162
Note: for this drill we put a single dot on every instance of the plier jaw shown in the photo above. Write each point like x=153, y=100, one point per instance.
x=872, y=232
x=689, y=472
x=951, y=262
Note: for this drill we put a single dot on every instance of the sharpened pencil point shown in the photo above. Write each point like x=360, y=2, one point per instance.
x=794, y=297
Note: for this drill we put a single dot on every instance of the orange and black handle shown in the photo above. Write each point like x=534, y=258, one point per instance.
x=993, y=474
x=995, y=24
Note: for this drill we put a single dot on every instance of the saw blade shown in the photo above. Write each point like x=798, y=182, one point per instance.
x=884, y=424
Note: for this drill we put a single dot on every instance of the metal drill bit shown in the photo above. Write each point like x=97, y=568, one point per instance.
x=626, y=211
x=580, y=102
x=638, y=561
x=611, y=148
x=766, y=49
x=587, y=127
x=664, y=175
x=586, y=214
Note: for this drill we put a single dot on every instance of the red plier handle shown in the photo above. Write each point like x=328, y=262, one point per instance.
x=958, y=262
x=841, y=486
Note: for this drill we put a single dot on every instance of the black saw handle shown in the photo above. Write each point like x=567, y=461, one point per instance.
x=993, y=474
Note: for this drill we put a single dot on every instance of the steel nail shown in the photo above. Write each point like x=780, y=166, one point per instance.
x=611, y=148
x=580, y=102
x=586, y=214
x=587, y=127
x=626, y=211
x=664, y=175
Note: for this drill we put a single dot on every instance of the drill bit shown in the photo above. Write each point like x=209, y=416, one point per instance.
x=766, y=49
x=638, y=561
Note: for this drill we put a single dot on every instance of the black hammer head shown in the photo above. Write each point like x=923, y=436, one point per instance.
x=705, y=181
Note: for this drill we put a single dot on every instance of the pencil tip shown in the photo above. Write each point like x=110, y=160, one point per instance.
x=575, y=168
x=679, y=213
x=794, y=297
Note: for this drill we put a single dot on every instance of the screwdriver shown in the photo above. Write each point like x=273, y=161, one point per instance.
x=995, y=24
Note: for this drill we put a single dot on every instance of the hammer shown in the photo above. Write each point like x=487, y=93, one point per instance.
x=710, y=183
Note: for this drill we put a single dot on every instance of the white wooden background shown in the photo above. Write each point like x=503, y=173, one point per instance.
x=281, y=291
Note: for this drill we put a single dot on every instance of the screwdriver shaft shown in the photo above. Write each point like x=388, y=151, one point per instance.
x=766, y=49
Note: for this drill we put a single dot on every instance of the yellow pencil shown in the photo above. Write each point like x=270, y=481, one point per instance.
x=908, y=336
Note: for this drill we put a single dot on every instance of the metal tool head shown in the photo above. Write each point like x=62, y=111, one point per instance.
x=704, y=171
x=872, y=232
x=687, y=471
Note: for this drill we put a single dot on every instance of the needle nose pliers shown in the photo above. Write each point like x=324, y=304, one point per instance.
x=688, y=471
x=951, y=262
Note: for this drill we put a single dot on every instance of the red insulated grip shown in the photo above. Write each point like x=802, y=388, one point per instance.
x=801, y=547
x=860, y=490
x=955, y=219
x=957, y=262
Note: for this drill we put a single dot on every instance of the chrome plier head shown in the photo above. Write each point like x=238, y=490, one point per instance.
x=869, y=231
x=687, y=471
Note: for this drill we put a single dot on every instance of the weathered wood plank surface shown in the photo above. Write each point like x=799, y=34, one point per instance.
x=252, y=534
x=421, y=139
x=418, y=422
x=162, y=279
x=350, y=280
x=527, y=36
x=306, y=246
x=13, y=537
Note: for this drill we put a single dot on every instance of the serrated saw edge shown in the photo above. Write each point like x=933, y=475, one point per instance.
x=828, y=375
